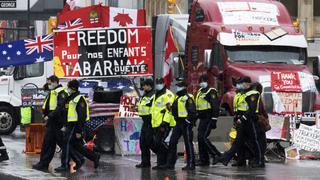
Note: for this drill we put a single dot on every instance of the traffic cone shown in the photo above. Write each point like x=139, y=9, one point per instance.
x=166, y=178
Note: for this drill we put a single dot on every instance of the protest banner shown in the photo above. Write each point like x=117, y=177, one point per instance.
x=279, y=127
x=106, y=52
x=127, y=106
x=307, y=138
x=127, y=132
x=285, y=81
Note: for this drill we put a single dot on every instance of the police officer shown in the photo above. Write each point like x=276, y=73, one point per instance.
x=77, y=115
x=54, y=115
x=146, y=136
x=207, y=105
x=162, y=121
x=185, y=115
x=247, y=105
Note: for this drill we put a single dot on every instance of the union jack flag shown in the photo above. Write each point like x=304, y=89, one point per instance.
x=39, y=44
x=72, y=24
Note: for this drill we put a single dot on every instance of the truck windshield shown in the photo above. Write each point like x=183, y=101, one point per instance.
x=266, y=54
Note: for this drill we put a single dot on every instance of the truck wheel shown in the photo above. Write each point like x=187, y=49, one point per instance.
x=8, y=121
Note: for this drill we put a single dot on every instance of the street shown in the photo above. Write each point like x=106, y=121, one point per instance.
x=117, y=167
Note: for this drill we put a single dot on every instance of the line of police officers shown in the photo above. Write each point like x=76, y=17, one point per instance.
x=166, y=117
x=65, y=112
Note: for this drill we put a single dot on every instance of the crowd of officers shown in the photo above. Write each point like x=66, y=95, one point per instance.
x=166, y=117
x=65, y=112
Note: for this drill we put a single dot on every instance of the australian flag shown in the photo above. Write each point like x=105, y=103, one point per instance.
x=38, y=49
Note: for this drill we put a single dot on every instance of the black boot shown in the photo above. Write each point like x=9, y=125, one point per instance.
x=4, y=155
x=189, y=167
x=62, y=169
x=40, y=167
x=141, y=165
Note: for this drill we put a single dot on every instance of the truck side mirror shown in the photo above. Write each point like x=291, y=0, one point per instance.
x=207, y=58
x=199, y=15
x=19, y=73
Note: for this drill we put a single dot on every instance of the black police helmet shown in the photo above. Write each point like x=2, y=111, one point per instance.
x=74, y=84
x=148, y=82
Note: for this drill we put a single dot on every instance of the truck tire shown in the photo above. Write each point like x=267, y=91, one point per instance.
x=8, y=121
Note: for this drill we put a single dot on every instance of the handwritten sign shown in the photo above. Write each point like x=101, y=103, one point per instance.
x=307, y=138
x=285, y=81
x=278, y=127
x=127, y=105
x=292, y=102
x=127, y=132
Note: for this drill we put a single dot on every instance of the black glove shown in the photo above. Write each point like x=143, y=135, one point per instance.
x=213, y=124
x=163, y=111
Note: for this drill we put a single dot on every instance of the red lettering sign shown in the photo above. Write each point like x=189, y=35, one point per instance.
x=285, y=81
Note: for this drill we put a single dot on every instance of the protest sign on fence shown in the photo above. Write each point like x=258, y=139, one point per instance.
x=127, y=106
x=127, y=132
x=307, y=138
x=285, y=81
x=106, y=52
x=279, y=127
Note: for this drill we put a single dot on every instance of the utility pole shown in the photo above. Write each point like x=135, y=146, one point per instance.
x=28, y=23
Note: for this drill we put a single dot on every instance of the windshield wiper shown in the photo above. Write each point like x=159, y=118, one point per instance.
x=244, y=61
x=275, y=62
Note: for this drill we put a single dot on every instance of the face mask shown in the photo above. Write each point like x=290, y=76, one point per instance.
x=203, y=84
x=50, y=87
x=180, y=88
x=159, y=87
x=239, y=86
x=70, y=91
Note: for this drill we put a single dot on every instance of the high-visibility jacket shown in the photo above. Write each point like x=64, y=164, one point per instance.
x=72, y=109
x=240, y=103
x=143, y=109
x=158, y=105
x=182, y=110
x=53, y=102
x=201, y=102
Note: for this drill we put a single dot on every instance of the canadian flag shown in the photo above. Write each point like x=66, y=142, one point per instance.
x=170, y=48
x=121, y=17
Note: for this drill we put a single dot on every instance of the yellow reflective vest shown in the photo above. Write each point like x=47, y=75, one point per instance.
x=240, y=103
x=201, y=102
x=53, y=102
x=72, y=109
x=182, y=110
x=159, y=105
x=143, y=109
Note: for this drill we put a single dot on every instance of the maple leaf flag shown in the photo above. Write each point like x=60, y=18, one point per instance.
x=122, y=17
x=170, y=48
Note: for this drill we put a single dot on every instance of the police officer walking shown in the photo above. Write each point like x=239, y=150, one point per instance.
x=185, y=115
x=162, y=121
x=207, y=105
x=247, y=105
x=146, y=136
x=54, y=115
x=77, y=115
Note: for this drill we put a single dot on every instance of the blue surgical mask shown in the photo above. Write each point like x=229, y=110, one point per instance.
x=203, y=84
x=50, y=87
x=180, y=88
x=239, y=86
x=159, y=87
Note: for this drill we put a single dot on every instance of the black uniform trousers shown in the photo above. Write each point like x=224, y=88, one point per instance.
x=74, y=147
x=262, y=139
x=185, y=129
x=146, y=140
x=246, y=135
x=159, y=146
x=52, y=137
x=205, y=145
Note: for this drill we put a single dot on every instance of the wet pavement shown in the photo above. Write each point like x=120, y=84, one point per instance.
x=118, y=168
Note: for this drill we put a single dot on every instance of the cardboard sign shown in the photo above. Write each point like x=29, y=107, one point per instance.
x=279, y=128
x=127, y=132
x=291, y=102
x=285, y=81
x=307, y=138
x=127, y=106
x=292, y=153
x=106, y=52
x=32, y=96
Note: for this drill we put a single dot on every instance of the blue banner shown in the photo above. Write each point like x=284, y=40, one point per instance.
x=27, y=51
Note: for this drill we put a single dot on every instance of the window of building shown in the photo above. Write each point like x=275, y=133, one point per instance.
x=316, y=5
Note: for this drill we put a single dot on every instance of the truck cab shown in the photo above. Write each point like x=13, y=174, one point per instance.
x=227, y=39
x=11, y=84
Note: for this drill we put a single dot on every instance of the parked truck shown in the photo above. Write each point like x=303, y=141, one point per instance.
x=227, y=39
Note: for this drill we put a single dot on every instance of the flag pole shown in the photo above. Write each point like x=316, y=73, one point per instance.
x=176, y=45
